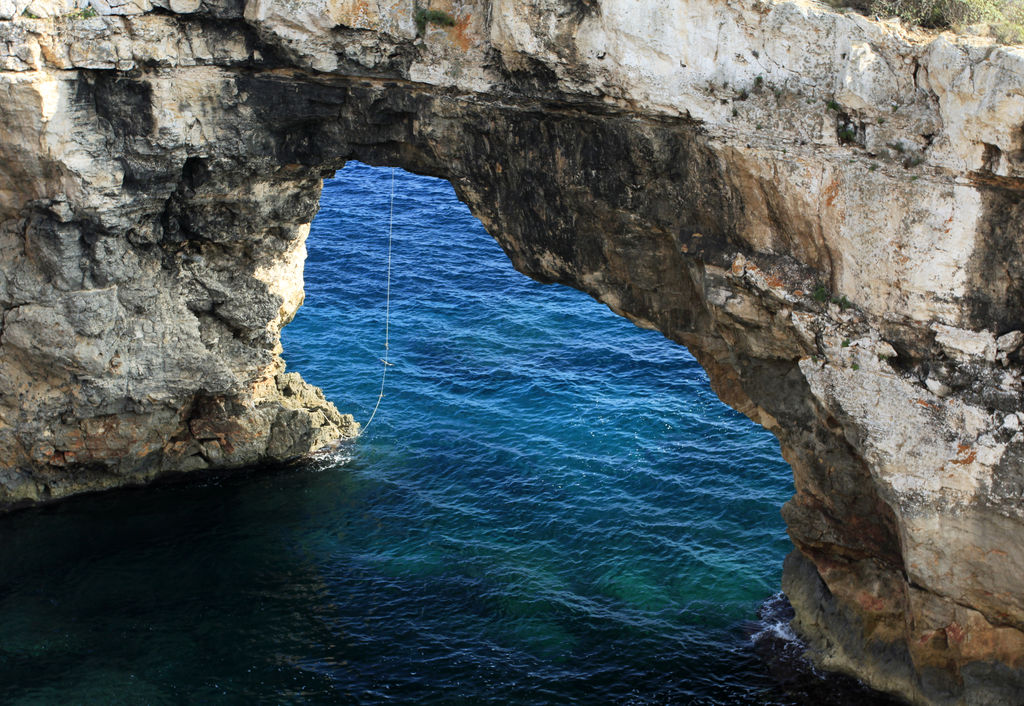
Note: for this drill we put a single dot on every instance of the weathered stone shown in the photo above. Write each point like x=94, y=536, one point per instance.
x=825, y=209
x=1010, y=342
x=184, y=7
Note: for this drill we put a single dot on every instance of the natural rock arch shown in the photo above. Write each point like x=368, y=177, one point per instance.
x=160, y=173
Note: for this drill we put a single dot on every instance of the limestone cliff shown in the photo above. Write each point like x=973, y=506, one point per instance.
x=825, y=209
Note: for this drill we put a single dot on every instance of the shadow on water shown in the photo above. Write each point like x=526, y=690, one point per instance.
x=551, y=507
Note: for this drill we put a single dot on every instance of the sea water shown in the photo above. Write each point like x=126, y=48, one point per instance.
x=551, y=506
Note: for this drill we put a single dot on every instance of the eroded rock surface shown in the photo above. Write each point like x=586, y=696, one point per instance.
x=825, y=209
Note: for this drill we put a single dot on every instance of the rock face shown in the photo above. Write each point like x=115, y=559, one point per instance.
x=825, y=209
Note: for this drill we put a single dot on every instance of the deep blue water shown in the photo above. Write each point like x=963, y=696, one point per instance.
x=551, y=506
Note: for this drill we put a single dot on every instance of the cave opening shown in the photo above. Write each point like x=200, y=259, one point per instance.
x=552, y=507
x=600, y=511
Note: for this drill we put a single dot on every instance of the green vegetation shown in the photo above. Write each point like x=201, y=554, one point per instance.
x=422, y=16
x=1005, y=18
x=845, y=343
x=821, y=295
x=83, y=13
x=855, y=366
x=847, y=134
x=842, y=302
x=832, y=105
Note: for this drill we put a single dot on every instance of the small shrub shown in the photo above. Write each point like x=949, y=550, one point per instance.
x=854, y=366
x=845, y=343
x=1010, y=31
x=423, y=16
x=842, y=302
x=820, y=294
x=935, y=14
x=82, y=13
x=832, y=105
x=846, y=134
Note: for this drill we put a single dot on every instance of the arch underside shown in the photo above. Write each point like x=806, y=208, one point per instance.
x=141, y=331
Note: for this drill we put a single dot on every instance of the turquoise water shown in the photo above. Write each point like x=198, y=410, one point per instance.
x=551, y=506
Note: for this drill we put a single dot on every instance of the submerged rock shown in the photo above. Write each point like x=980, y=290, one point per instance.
x=824, y=208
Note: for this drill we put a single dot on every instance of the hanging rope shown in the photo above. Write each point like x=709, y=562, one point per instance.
x=387, y=309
